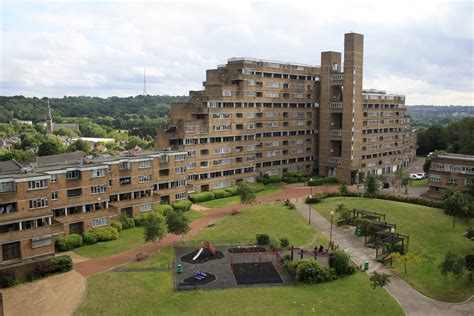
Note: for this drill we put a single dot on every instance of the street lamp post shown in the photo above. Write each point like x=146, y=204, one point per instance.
x=330, y=235
x=309, y=204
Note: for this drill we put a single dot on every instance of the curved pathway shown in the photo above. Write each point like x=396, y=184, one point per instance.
x=412, y=302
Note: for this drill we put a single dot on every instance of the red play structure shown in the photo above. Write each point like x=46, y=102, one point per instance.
x=210, y=246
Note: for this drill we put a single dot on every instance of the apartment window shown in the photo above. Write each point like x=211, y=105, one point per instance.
x=222, y=150
x=54, y=195
x=38, y=203
x=204, y=164
x=250, y=147
x=435, y=178
x=272, y=95
x=144, y=164
x=180, y=157
x=37, y=184
x=109, y=167
x=220, y=128
x=73, y=174
x=11, y=251
x=191, y=165
x=180, y=196
x=54, y=178
x=98, y=173
x=191, y=153
x=97, y=189
x=125, y=181
x=72, y=193
x=251, y=115
x=164, y=172
x=221, y=116
x=145, y=207
x=124, y=165
x=218, y=162
x=453, y=180
x=179, y=170
x=110, y=183
x=101, y=221
x=144, y=178
x=7, y=186
x=251, y=94
x=251, y=82
x=271, y=84
x=226, y=93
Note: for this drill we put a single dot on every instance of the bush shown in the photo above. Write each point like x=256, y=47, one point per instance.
x=311, y=272
x=164, y=209
x=127, y=222
x=322, y=181
x=139, y=220
x=220, y=194
x=118, y=225
x=266, y=179
x=201, y=197
x=90, y=238
x=294, y=177
x=182, y=206
x=263, y=239
x=233, y=190
x=274, y=244
x=42, y=269
x=257, y=187
x=285, y=242
x=69, y=242
x=62, y=263
x=7, y=279
x=412, y=200
x=106, y=233
x=341, y=263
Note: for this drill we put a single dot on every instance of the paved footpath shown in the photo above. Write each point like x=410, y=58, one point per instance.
x=412, y=302
x=210, y=216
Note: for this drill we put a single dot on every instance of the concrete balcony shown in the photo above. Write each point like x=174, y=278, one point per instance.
x=335, y=132
x=30, y=233
x=337, y=105
x=337, y=77
x=335, y=160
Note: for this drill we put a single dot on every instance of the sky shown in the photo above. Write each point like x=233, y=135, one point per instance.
x=423, y=49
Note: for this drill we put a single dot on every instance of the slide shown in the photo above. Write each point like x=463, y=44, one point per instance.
x=198, y=254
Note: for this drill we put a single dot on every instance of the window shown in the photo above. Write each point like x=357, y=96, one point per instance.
x=191, y=165
x=145, y=207
x=124, y=165
x=435, y=178
x=251, y=115
x=72, y=193
x=204, y=152
x=37, y=184
x=180, y=157
x=73, y=174
x=191, y=153
x=250, y=147
x=226, y=93
x=101, y=221
x=251, y=82
x=11, y=251
x=144, y=164
x=251, y=94
x=54, y=178
x=220, y=128
x=164, y=172
x=97, y=189
x=180, y=196
x=38, y=203
x=144, y=178
x=110, y=183
x=204, y=164
x=125, y=181
x=99, y=173
x=179, y=170
x=222, y=115
x=251, y=126
x=272, y=95
x=222, y=150
x=54, y=195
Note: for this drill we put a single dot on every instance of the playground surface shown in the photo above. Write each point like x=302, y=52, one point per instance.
x=253, y=272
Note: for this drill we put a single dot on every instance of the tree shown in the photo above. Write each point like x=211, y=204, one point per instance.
x=343, y=188
x=379, y=279
x=19, y=155
x=62, y=131
x=155, y=228
x=455, y=204
x=177, y=223
x=343, y=211
x=452, y=266
x=434, y=137
x=51, y=146
x=469, y=259
x=371, y=186
x=429, y=158
x=247, y=195
x=406, y=258
x=80, y=145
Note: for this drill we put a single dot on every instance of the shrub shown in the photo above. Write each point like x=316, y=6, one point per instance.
x=274, y=244
x=139, y=220
x=341, y=263
x=315, y=198
x=285, y=242
x=201, y=197
x=127, y=222
x=106, y=233
x=164, y=209
x=118, y=225
x=62, y=263
x=311, y=272
x=233, y=190
x=257, y=187
x=266, y=179
x=322, y=181
x=263, y=239
x=7, y=279
x=294, y=177
x=219, y=194
x=42, y=269
x=90, y=238
x=69, y=242
x=182, y=206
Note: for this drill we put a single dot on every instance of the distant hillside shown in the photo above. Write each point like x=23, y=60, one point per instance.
x=423, y=116
x=35, y=109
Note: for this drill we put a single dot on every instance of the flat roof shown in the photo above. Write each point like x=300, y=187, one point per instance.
x=270, y=61
x=456, y=156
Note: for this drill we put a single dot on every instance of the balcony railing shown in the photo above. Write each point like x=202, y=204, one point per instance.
x=339, y=76
x=335, y=160
x=336, y=105
x=335, y=132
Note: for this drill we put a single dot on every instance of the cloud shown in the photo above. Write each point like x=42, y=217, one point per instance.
x=421, y=49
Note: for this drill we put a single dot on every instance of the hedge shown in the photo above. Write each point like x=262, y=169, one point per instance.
x=69, y=242
x=127, y=222
x=89, y=238
x=202, y=197
x=106, y=233
x=164, y=209
x=139, y=220
x=223, y=193
x=118, y=225
x=220, y=194
x=322, y=181
x=182, y=206
x=62, y=263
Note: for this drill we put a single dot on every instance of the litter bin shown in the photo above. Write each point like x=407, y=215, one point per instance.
x=358, y=232
x=180, y=268
x=366, y=265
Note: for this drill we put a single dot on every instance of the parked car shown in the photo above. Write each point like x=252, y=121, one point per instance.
x=415, y=176
x=422, y=175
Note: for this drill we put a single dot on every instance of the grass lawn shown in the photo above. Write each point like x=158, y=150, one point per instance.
x=161, y=260
x=274, y=219
x=269, y=189
x=419, y=183
x=128, y=239
x=431, y=236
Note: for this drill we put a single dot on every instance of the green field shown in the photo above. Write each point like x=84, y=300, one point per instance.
x=419, y=183
x=151, y=293
x=269, y=189
x=431, y=236
x=128, y=239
